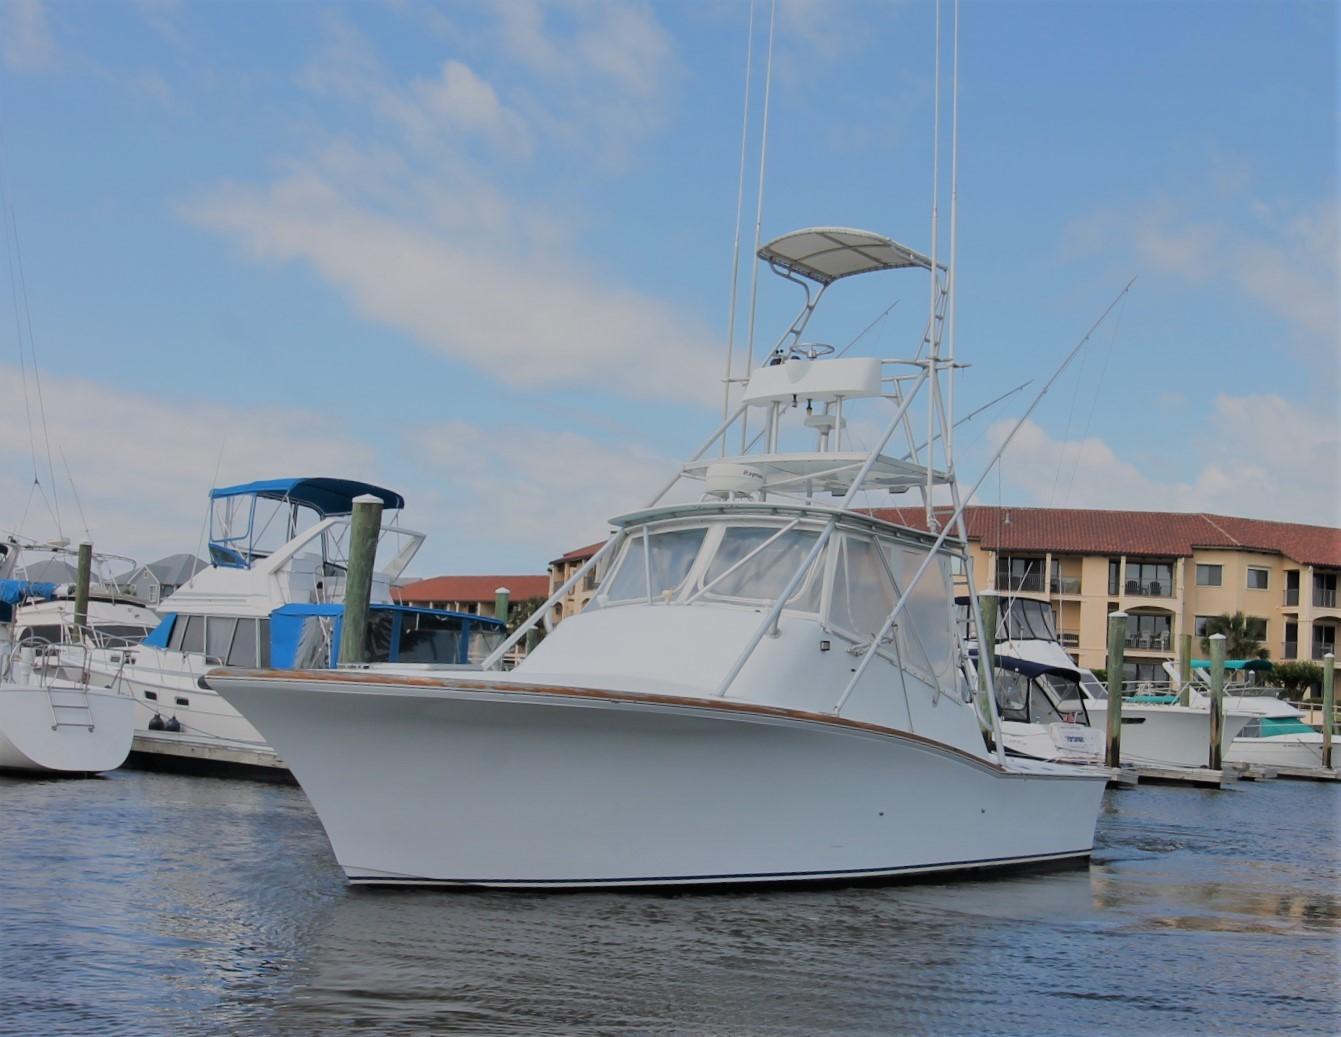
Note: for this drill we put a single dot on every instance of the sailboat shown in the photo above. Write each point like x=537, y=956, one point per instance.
x=53, y=721
x=768, y=687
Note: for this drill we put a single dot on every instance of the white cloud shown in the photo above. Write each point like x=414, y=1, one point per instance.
x=1260, y=456
x=537, y=492
x=1284, y=257
x=537, y=322
x=27, y=45
x=142, y=466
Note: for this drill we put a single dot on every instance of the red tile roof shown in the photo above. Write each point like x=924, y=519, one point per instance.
x=471, y=588
x=1157, y=533
x=580, y=554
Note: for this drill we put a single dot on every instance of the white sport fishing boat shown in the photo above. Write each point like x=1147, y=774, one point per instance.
x=51, y=722
x=768, y=686
x=273, y=596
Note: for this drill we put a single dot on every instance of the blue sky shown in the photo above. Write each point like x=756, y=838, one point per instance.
x=481, y=252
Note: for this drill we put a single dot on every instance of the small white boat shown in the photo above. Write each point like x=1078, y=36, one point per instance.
x=51, y=723
x=272, y=596
x=767, y=687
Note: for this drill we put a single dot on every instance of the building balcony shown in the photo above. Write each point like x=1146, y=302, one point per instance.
x=1148, y=642
x=1148, y=589
x=1064, y=585
x=1291, y=650
x=1070, y=639
x=1319, y=650
x=1028, y=582
x=1324, y=599
x=1291, y=597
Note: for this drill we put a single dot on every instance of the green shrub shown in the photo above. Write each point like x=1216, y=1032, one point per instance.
x=1297, y=677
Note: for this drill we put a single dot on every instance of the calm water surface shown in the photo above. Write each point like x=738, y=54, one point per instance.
x=152, y=904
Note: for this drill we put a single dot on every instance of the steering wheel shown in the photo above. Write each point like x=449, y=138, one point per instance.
x=809, y=350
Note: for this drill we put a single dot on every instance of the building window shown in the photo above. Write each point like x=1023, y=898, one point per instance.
x=1324, y=590
x=1324, y=640
x=1114, y=577
x=1019, y=574
x=1199, y=625
x=1256, y=628
x=1209, y=575
x=1150, y=579
x=1257, y=579
x=1150, y=632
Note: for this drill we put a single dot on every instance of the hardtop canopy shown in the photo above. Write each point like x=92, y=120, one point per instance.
x=324, y=495
x=824, y=254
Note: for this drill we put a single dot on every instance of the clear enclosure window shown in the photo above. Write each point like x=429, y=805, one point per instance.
x=863, y=595
x=243, y=650
x=671, y=556
x=429, y=639
x=765, y=575
x=218, y=636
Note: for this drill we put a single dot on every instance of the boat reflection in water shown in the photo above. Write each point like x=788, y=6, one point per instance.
x=768, y=685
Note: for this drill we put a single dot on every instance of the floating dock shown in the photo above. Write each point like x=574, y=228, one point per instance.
x=180, y=752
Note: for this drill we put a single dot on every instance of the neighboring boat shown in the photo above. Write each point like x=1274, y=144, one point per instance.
x=1156, y=729
x=767, y=687
x=1042, y=704
x=1276, y=735
x=50, y=724
x=273, y=596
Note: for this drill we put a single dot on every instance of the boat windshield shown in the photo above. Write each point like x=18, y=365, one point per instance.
x=1030, y=700
x=1023, y=619
x=746, y=563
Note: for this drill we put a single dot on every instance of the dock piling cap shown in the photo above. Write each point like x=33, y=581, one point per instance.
x=367, y=498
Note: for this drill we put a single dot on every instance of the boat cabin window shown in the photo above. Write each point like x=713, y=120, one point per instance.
x=188, y=634
x=1023, y=619
x=218, y=636
x=757, y=562
x=242, y=652
x=483, y=641
x=863, y=590
x=50, y=635
x=1025, y=700
x=668, y=559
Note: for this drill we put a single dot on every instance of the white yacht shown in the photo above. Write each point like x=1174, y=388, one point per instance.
x=51, y=721
x=1276, y=735
x=273, y=596
x=1157, y=729
x=1042, y=703
x=767, y=687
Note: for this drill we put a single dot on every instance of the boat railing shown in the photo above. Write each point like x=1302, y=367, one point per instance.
x=35, y=660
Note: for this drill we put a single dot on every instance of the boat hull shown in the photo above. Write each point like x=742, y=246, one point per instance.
x=1170, y=736
x=63, y=730
x=480, y=785
x=1289, y=750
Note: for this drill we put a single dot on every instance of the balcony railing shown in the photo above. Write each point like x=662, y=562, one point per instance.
x=1148, y=642
x=1150, y=588
x=1291, y=650
x=1322, y=648
x=1323, y=598
x=1070, y=639
x=1028, y=582
x=1064, y=585
x=1291, y=597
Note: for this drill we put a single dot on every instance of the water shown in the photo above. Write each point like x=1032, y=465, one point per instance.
x=152, y=904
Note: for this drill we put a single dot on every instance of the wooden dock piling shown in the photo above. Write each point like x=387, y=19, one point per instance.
x=1217, y=642
x=1185, y=670
x=1117, y=636
x=364, y=528
x=83, y=576
x=1328, y=707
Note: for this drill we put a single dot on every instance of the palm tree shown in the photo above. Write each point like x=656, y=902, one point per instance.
x=1241, y=641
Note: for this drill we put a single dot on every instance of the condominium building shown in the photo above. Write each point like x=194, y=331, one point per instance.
x=1169, y=572
x=564, y=567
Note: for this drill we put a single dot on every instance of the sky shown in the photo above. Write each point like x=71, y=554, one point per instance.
x=482, y=252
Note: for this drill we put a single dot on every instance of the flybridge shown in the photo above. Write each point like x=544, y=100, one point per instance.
x=324, y=496
x=805, y=377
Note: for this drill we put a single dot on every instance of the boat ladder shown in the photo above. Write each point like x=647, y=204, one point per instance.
x=72, y=709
